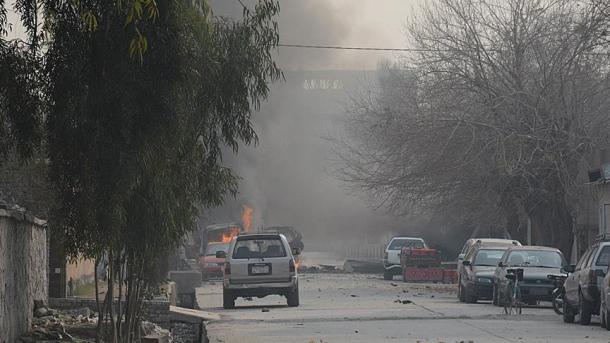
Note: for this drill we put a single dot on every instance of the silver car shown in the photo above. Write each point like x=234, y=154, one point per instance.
x=258, y=265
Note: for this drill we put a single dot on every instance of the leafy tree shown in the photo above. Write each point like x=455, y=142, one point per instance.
x=142, y=95
x=506, y=102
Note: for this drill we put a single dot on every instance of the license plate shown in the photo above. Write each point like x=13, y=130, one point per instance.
x=260, y=269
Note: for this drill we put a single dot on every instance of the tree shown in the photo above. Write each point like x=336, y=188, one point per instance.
x=508, y=100
x=142, y=95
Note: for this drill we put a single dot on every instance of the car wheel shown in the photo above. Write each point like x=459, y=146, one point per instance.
x=293, y=298
x=584, y=310
x=388, y=275
x=470, y=295
x=568, y=315
x=462, y=293
x=228, y=300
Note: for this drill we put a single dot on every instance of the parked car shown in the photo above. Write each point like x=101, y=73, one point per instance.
x=583, y=284
x=537, y=263
x=471, y=244
x=211, y=266
x=258, y=265
x=604, y=308
x=476, y=278
x=496, y=241
x=391, y=257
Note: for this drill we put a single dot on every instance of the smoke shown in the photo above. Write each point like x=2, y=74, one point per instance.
x=285, y=177
x=335, y=23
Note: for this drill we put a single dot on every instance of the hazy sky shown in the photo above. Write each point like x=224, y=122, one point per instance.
x=369, y=23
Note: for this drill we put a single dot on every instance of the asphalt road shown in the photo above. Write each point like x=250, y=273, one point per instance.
x=365, y=308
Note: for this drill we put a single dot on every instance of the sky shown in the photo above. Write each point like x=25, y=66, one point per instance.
x=360, y=23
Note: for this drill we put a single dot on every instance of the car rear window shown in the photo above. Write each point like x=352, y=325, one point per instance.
x=535, y=258
x=258, y=248
x=604, y=256
x=399, y=243
x=488, y=257
x=213, y=248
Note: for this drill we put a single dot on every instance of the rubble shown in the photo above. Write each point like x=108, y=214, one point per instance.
x=50, y=325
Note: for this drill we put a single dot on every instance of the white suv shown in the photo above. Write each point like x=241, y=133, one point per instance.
x=258, y=265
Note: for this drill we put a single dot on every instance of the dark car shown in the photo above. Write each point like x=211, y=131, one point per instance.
x=583, y=285
x=537, y=263
x=475, y=243
x=476, y=276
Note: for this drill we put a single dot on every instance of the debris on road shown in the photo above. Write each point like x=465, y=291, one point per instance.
x=404, y=302
x=264, y=309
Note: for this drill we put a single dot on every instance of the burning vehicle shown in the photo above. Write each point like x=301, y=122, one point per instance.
x=216, y=238
x=212, y=266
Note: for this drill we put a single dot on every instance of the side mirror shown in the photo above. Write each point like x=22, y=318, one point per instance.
x=599, y=273
x=466, y=263
x=221, y=254
x=500, y=264
x=460, y=257
x=569, y=269
x=296, y=251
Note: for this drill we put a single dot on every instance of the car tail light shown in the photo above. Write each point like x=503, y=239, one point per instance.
x=291, y=267
x=227, y=268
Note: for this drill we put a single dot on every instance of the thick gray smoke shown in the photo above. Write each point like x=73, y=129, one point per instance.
x=285, y=178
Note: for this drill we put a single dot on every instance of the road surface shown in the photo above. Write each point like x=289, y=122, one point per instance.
x=365, y=308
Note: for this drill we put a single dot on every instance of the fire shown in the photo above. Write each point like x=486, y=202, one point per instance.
x=246, y=217
x=228, y=237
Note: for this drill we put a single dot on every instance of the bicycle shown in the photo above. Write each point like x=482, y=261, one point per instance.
x=558, y=292
x=513, y=303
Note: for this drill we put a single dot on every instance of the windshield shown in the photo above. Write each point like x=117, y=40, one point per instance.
x=213, y=248
x=399, y=243
x=488, y=257
x=535, y=258
x=259, y=248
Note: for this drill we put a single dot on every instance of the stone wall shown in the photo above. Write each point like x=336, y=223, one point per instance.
x=23, y=271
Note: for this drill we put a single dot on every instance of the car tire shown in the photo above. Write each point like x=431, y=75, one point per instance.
x=228, y=300
x=568, y=315
x=584, y=310
x=494, y=295
x=388, y=275
x=462, y=293
x=470, y=295
x=292, y=298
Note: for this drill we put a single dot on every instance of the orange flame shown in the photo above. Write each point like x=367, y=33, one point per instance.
x=246, y=217
x=228, y=237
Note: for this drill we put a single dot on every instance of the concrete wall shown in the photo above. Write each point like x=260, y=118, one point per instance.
x=23, y=271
